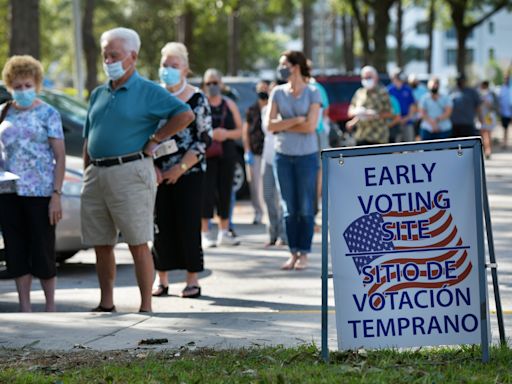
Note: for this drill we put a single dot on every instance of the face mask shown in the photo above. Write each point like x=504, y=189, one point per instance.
x=283, y=73
x=24, y=98
x=170, y=76
x=368, y=83
x=434, y=91
x=213, y=90
x=263, y=95
x=114, y=71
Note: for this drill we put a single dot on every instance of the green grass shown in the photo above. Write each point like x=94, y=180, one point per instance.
x=258, y=365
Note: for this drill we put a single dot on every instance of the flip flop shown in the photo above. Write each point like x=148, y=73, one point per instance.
x=161, y=290
x=195, y=289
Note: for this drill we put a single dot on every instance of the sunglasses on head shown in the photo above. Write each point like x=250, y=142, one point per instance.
x=212, y=83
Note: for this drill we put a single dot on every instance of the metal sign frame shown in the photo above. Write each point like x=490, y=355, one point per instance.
x=482, y=212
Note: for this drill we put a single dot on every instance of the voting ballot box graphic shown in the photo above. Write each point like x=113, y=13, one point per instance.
x=404, y=249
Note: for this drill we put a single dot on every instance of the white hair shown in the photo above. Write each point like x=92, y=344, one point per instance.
x=213, y=72
x=130, y=38
x=369, y=69
x=176, y=50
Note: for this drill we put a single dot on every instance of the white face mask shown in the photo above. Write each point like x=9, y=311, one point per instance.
x=114, y=71
x=368, y=83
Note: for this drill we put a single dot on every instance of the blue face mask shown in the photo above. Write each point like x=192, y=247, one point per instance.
x=24, y=98
x=170, y=76
x=114, y=71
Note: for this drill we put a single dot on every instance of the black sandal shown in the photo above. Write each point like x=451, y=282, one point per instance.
x=191, y=288
x=161, y=290
x=100, y=308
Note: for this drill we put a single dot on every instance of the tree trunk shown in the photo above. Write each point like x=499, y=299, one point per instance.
x=363, y=26
x=90, y=47
x=348, y=42
x=430, y=31
x=307, y=36
x=185, y=27
x=25, y=39
x=399, y=35
x=233, y=49
x=380, y=32
x=457, y=14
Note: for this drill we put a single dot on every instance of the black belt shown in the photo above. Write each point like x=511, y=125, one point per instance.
x=109, y=162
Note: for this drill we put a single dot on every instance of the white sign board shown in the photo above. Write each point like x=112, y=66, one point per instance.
x=403, y=238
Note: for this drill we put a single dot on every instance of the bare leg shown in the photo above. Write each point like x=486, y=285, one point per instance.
x=23, y=285
x=204, y=225
x=49, y=293
x=144, y=271
x=106, y=271
x=223, y=224
x=302, y=262
x=290, y=263
x=192, y=279
x=486, y=138
x=161, y=284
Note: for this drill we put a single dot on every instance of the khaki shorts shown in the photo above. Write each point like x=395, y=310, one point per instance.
x=117, y=199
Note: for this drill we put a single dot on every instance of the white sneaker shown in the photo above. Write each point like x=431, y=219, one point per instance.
x=227, y=239
x=207, y=241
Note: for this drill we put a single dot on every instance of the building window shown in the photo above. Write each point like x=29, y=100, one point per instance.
x=491, y=27
x=422, y=28
x=451, y=56
x=491, y=53
x=452, y=34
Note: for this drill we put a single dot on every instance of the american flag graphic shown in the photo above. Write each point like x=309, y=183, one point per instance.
x=366, y=241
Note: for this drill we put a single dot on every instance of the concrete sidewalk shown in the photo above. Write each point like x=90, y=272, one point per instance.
x=247, y=300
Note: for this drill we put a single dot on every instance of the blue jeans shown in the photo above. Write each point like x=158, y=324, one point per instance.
x=296, y=176
x=427, y=135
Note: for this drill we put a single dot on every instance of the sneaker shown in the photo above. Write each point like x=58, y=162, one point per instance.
x=207, y=241
x=227, y=239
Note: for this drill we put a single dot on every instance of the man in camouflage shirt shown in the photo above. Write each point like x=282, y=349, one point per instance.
x=369, y=109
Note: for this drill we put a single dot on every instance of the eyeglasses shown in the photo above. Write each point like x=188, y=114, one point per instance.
x=211, y=83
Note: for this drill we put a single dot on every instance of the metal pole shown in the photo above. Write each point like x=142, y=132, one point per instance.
x=492, y=258
x=325, y=292
x=79, y=72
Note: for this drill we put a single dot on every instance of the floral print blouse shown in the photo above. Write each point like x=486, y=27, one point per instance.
x=196, y=137
x=25, y=148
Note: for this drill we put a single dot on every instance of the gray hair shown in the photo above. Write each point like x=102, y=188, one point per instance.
x=212, y=72
x=369, y=69
x=176, y=50
x=130, y=38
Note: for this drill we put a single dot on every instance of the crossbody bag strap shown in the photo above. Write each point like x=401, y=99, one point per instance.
x=5, y=110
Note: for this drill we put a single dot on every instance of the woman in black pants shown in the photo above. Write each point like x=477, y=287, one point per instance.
x=181, y=165
x=221, y=157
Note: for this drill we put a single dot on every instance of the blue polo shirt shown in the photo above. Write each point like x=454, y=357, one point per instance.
x=120, y=121
x=404, y=96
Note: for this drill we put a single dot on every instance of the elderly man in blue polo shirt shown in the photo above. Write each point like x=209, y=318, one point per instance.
x=120, y=180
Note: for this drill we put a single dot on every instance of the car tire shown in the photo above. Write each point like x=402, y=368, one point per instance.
x=63, y=256
x=240, y=178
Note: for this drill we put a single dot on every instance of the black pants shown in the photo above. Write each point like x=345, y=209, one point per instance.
x=177, y=243
x=28, y=236
x=218, y=186
x=463, y=130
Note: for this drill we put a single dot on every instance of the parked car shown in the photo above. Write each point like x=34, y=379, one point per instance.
x=68, y=240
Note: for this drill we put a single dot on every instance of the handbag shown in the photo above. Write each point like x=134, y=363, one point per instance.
x=215, y=148
x=8, y=185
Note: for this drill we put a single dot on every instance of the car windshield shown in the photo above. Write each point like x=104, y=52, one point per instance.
x=73, y=108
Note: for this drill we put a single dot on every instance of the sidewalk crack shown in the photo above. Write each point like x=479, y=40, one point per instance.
x=116, y=331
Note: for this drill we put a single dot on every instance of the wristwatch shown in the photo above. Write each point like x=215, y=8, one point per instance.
x=183, y=166
x=57, y=191
x=153, y=138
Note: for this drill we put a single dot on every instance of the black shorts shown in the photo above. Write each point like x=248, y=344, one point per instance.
x=28, y=236
x=505, y=121
x=218, y=186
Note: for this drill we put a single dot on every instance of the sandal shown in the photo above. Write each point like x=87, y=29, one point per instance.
x=191, y=291
x=161, y=290
x=100, y=308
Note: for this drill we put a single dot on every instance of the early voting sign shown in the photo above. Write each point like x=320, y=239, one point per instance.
x=407, y=249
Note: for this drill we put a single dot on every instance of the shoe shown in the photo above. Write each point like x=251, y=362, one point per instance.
x=281, y=243
x=232, y=232
x=227, y=240
x=257, y=219
x=207, y=241
x=302, y=263
x=161, y=290
x=271, y=243
x=99, y=308
x=191, y=292
x=290, y=264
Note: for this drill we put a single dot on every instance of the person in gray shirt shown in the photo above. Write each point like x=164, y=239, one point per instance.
x=466, y=104
x=293, y=117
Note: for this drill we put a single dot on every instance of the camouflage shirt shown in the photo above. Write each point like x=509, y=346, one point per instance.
x=375, y=130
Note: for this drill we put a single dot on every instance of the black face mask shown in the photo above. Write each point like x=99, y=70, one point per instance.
x=263, y=95
x=434, y=91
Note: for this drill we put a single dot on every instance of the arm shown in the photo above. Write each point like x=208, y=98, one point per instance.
x=310, y=124
x=276, y=124
x=85, y=155
x=55, y=208
x=245, y=137
x=236, y=133
x=175, y=124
